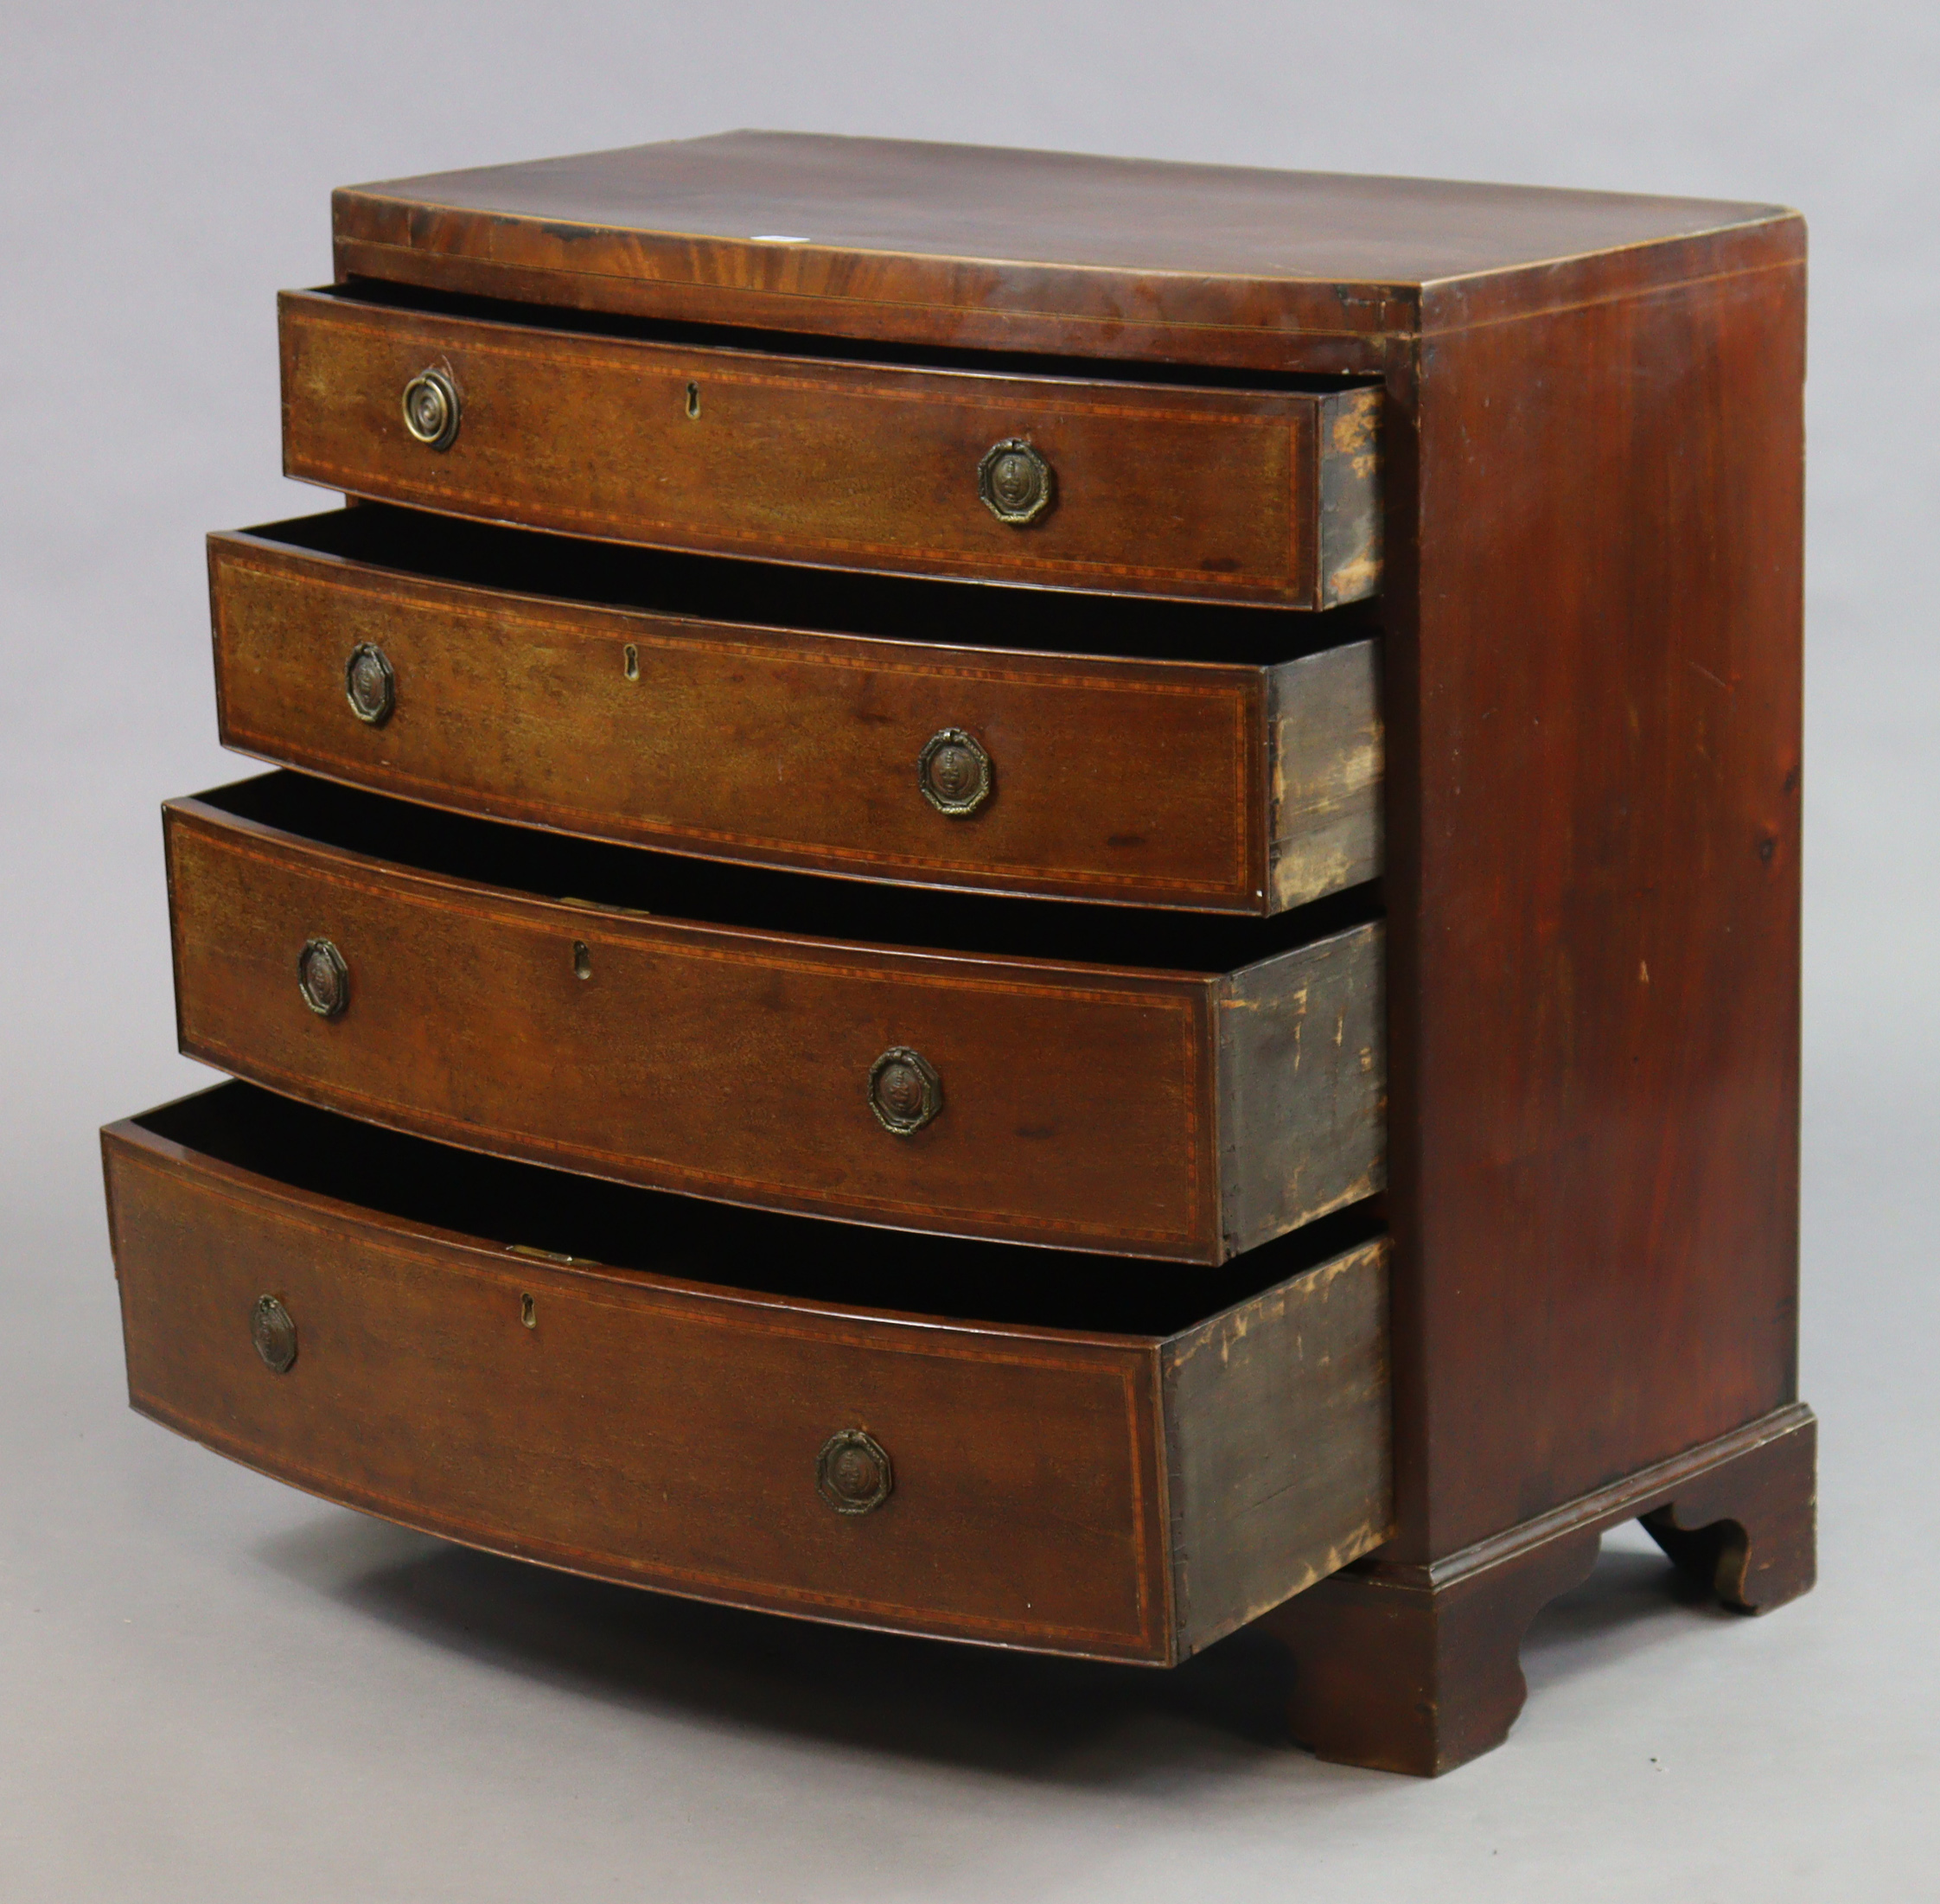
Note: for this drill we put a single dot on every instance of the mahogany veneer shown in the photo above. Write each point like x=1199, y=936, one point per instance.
x=1237, y=537
x=1128, y=1491
x=678, y=714
x=1227, y=494
x=1086, y=1101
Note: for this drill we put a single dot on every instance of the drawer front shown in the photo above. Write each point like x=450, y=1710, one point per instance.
x=633, y=1429
x=1077, y=1103
x=1228, y=788
x=1234, y=495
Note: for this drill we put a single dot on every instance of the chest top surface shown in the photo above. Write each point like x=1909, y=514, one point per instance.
x=893, y=237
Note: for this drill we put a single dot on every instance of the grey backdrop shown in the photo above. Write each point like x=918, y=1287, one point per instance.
x=211, y=1688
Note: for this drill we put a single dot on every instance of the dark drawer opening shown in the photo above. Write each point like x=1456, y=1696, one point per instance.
x=558, y=866
x=554, y=1215
x=827, y=348
x=740, y=590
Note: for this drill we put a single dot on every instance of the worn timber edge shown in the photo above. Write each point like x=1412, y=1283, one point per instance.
x=1347, y=483
x=1300, y=1483
x=1326, y=749
x=1302, y=1085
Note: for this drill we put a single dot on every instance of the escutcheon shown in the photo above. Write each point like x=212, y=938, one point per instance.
x=852, y=1472
x=323, y=978
x=430, y=409
x=953, y=773
x=1015, y=482
x=904, y=1091
x=369, y=685
x=274, y=1334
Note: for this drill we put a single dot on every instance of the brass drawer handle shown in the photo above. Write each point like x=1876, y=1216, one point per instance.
x=904, y=1091
x=369, y=685
x=1015, y=482
x=953, y=773
x=852, y=1473
x=274, y=1334
x=430, y=409
x=323, y=978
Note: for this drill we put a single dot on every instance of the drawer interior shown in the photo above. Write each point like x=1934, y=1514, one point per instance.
x=558, y=866
x=737, y=590
x=828, y=348
x=554, y=1215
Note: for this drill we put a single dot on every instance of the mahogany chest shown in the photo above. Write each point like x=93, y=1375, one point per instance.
x=1045, y=900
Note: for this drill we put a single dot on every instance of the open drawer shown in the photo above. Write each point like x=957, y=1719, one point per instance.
x=1192, y=484
x=1148, y=1083
x=1074, y=1454
x=1088, y=747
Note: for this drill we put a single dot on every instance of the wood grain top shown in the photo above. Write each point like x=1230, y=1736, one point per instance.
x=900, y=235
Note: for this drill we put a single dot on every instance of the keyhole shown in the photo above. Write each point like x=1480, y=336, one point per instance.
x=629, y=662
x=582, y=960
x=528, y=1311
x=693, y=399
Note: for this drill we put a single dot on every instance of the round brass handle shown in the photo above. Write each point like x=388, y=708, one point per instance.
x=274, y=1334
x=953, y=773
x=323, y=978
x=904, y=1091
x=430, y=409
x=369, y=685
x=1015, y=482
x=852, y=1472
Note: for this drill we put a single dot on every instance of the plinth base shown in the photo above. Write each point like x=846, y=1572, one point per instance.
x=1419, y=1669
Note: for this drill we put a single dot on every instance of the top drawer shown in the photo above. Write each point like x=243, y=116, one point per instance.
x=1188, y=490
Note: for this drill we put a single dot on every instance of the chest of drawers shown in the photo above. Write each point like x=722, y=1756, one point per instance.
x=1042, y=900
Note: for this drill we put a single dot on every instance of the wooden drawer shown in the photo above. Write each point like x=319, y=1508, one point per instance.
x=1131, y=1489
x=682, y=711
x=1219, y=488
x=732, y=1033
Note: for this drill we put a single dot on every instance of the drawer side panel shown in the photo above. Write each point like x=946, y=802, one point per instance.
x=1323, y=719
x=1298, y=1480
x=1347, y=479
x=1303, y=1084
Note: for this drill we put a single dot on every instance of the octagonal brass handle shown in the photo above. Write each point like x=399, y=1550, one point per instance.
x=852, y=1472
x=953, y=773
x=369, y=684
x=430, y=409
x=323, y=978
x=274, y=1334
x=904, y=1091
x=1015, y=482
